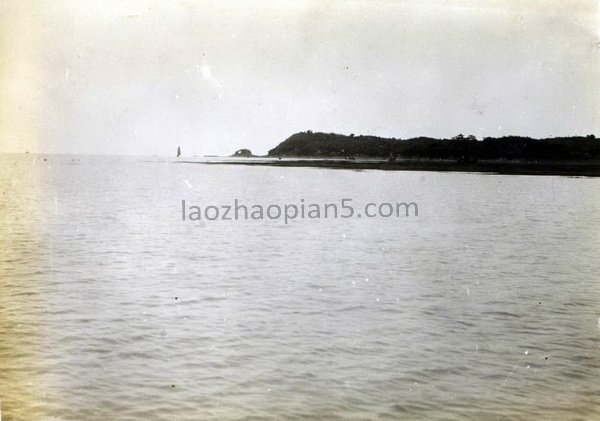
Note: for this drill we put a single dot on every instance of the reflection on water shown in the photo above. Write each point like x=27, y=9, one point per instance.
x=486, y=306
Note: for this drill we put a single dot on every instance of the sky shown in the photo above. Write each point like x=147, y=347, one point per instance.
x=142, y=77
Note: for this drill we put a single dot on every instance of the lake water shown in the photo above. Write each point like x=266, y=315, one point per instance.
x=485, y=306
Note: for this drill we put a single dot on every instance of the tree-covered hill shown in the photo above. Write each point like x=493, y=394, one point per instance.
x=309, y=144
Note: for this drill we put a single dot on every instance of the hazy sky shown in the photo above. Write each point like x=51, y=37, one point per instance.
x=142, y=77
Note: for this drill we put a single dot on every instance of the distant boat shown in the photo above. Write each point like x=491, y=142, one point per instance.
x=178, y=151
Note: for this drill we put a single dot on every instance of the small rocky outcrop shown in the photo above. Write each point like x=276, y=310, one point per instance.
x=243, y=153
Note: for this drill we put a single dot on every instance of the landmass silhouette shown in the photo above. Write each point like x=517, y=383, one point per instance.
x=573, y=155
x=462, y=148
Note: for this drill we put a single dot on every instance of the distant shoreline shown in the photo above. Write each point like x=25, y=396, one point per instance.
x=565, y=168
x=519, y=155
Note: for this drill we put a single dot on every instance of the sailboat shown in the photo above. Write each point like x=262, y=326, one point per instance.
x=178, y=151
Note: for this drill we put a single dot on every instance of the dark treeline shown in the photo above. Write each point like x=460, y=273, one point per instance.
x=467, y=148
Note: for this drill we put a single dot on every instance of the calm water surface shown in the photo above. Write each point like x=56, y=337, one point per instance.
x=486, y=306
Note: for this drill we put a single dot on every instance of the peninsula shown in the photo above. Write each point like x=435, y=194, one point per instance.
x=575, y=155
